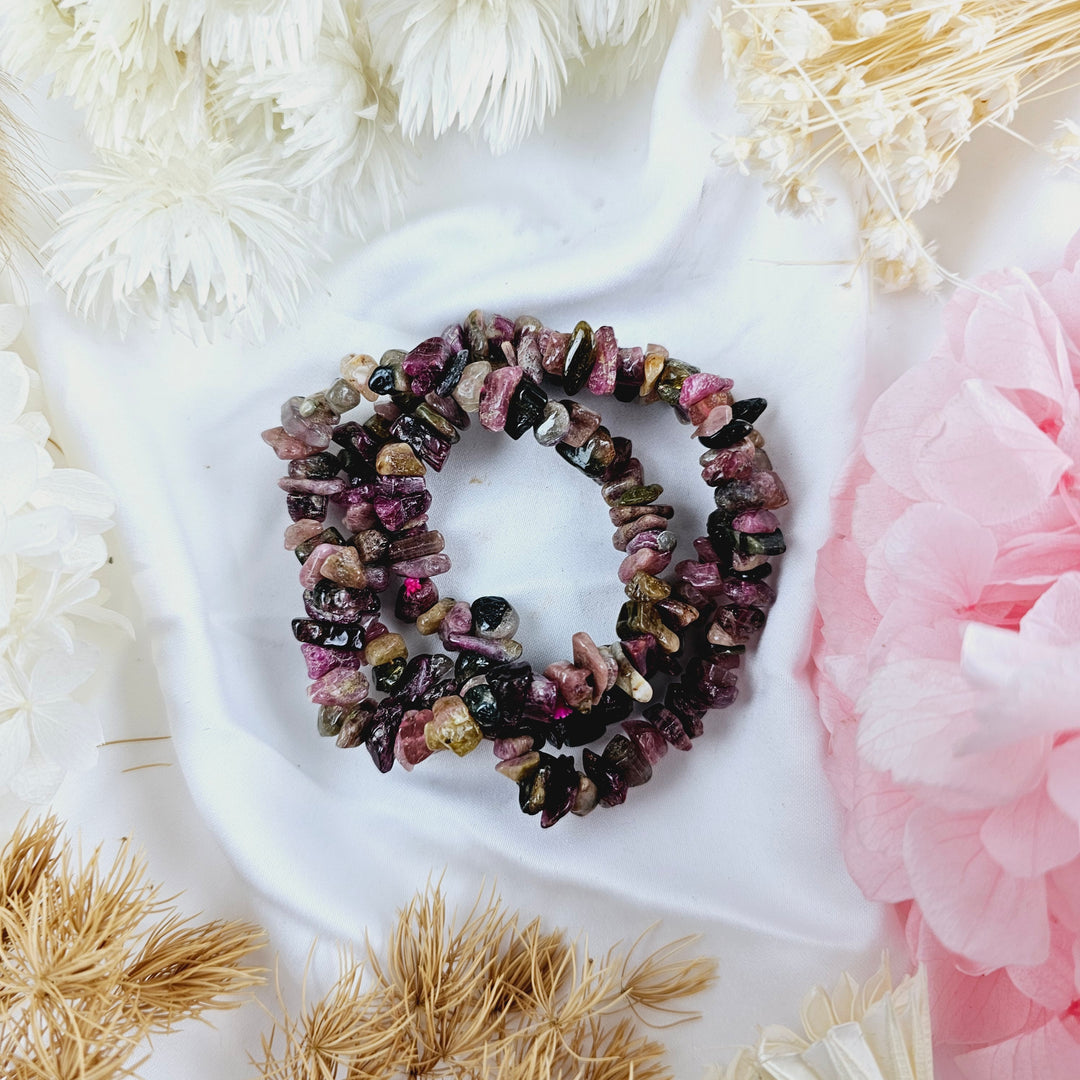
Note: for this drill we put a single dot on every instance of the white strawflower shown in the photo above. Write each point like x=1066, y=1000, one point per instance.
x=496, y=67
x=111, y=58
x=622, y=39
x=192, y=239
x=331, y=129
x=256, y=32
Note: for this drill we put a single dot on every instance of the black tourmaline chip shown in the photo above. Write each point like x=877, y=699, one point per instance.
x=526, y=407
x=307, y=506
x=489, y=613
x=731, y=433
x=749, y=409
x=451, y=374
x=483, y=707
x=610, y=783
x=317, y=467
x=470, y=664
x=388, y=676
x=383, y=731
x=381, y=380
x=629, y=760
x=327, y=536
x=328, y=634
x=510, y=684
x=771, y=543
x=579, y=358
x=560, y=791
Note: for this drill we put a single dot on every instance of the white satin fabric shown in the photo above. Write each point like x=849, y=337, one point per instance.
x=616, y=215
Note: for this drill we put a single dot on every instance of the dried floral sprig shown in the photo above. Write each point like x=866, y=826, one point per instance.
x=484, y=997
x=93, y=960
x=855, y=1032
x=892, y=90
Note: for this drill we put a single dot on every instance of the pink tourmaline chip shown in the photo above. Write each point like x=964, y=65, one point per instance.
x=339, y=686
x=495, y=396
x=605, y=363
x=701, y=385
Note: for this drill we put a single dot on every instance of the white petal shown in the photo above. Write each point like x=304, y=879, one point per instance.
x=38, y=533
x=14, y=747
x=56, y=674
x=66, y=734
x=19, y=469
x=83, y=493
x=11, y=323
x=14, y=387
x=37, y=780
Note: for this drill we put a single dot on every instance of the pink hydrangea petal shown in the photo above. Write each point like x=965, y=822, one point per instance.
x=856, y=472
x=1026, y=688
x=849, y=619
x=876, y=506
x=1063, y=887
x=1031, y=835
x=1049, y=984
x=1037, y=559
x=1048, y=1053
x=968, y=1009
x=985, y=457
x=932, y=553
x=878, y=874
x=1008, y=337
x=972, y=905
x=1063, y=778
x=1055, y=617
x=913, y=712
x=890, y=437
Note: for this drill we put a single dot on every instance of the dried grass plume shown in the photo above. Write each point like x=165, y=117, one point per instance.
x=892, y=90
x=489, y=998
x=93, y=961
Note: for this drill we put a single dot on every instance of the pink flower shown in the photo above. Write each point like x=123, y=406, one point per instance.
x=947, y=663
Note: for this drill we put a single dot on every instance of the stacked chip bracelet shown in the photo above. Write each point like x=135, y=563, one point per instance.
x=691, y=630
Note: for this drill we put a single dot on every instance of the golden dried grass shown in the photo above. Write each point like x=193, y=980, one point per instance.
x=484, y=997
x=93, y=960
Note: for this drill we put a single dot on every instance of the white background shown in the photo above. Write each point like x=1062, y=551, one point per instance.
x=614, y=214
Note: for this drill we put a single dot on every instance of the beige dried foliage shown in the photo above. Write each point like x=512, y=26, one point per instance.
x=484, y=997
x=892, y=90
x=93, y=960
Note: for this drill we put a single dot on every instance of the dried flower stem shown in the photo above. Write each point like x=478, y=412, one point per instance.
x=892, y=90
x=93, y=960
x=482, y=998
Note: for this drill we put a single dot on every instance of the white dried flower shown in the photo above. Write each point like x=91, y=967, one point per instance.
x=50, y=549
x=622, y=40
x=973, y=34
x=110, y=57
x=191, y=239
x=854, y=1033
x=799, y=35
x=1065, y=149
x=496, y=67
x=253, y=32
x=871, y=23
x=797, y=197
x=330, y=126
